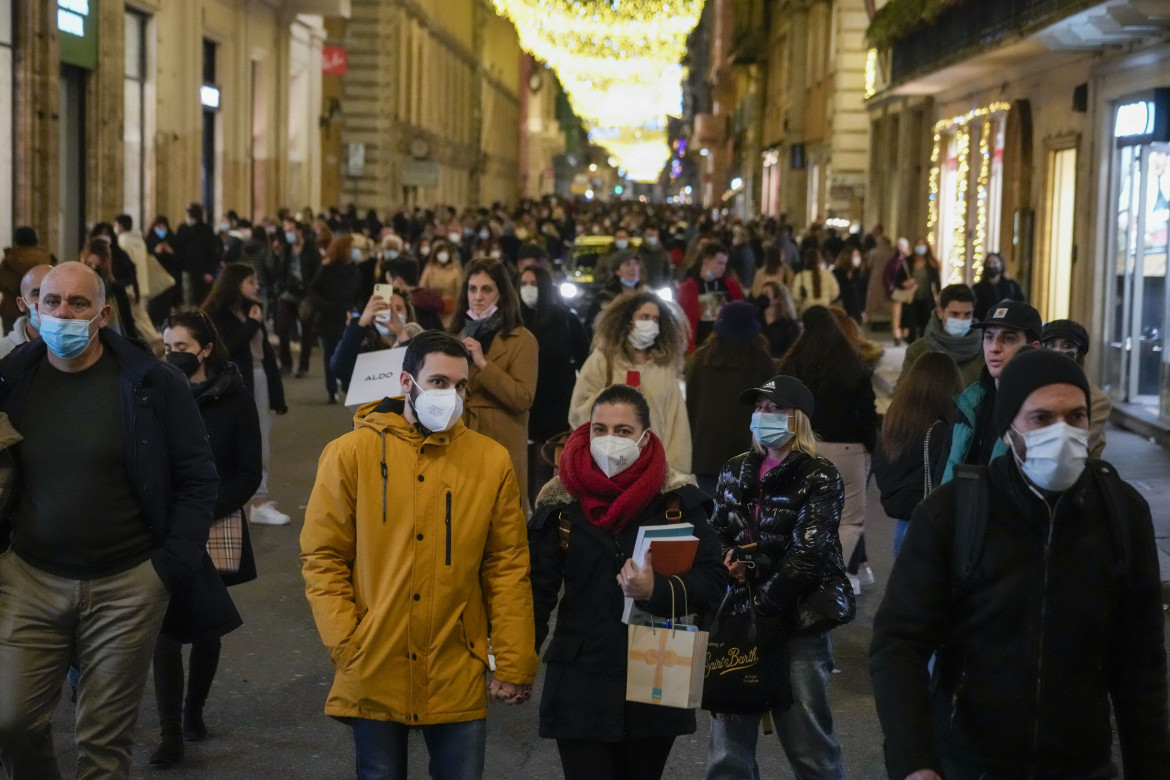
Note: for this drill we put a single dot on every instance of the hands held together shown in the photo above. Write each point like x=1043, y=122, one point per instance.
x=509, y=693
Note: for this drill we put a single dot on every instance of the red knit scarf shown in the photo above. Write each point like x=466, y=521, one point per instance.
x=612, y=504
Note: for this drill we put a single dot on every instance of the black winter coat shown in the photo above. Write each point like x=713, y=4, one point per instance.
x=237, y=338
x=229, y=414
x=903, y=479
x=168, y=458
x=585, y=687
x=845, y=412
x=799, y=505
x=988, y=293
x=1063, y=617
x=563, y=347
x=199, y=249
x=333, y=293
x=719, y=422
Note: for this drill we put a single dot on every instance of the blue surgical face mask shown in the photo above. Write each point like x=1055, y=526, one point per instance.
x=290, y=236
x=771, y=429
x=34, y=319
x=355, y=254
x=160, y=232
x=66, y=338
x=956, y=327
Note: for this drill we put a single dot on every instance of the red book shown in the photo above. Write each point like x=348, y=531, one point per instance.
x=673, y=556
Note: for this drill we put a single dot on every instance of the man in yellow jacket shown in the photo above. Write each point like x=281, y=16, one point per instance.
x=414, y=542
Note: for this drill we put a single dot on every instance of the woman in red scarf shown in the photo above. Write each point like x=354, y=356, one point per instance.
x=613, y=479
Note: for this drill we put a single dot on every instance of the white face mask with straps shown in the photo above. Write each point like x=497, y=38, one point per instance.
x=1054, y=456
x=436, y=410
x=615, y=454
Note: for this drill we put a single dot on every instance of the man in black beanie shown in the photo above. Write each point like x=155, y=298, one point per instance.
x=1035, y=582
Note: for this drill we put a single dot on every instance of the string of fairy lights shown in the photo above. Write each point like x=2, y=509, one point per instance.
x=959, y=128
x=619, y=64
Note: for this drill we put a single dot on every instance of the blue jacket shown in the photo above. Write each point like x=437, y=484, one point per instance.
x=168, y=456
x=968, y=403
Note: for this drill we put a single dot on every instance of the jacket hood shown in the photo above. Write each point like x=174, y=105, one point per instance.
x=386, y=416
x=554, y=493
x=222, y=384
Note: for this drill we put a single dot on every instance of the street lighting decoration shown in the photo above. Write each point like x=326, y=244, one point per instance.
x=619, y=63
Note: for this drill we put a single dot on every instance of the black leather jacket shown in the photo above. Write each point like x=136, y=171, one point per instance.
x=799, y=511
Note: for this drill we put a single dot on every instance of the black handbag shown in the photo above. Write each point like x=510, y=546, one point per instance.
x=747, y=668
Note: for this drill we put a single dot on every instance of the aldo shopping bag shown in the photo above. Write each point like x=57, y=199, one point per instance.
x=664, y=665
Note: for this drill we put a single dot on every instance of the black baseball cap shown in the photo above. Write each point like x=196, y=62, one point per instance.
x=1067, y=329
x=1013, y=314
x=787, y=392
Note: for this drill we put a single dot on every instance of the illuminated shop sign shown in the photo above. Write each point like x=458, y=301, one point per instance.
x=1143, y=119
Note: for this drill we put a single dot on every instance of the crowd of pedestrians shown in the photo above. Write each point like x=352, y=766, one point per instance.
x=719, y=372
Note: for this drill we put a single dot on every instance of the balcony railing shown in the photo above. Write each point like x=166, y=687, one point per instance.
x=963, y=30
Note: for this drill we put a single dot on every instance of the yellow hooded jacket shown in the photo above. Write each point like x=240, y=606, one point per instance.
x=410, y=547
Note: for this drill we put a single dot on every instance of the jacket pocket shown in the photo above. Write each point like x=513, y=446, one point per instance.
x=348, y=652
x=562, y=649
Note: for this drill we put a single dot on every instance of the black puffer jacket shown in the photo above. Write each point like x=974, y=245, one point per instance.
x=585, y=688
x=799, y=511
x=1063, y=619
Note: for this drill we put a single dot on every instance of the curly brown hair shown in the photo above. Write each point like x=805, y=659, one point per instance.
x=612, y=331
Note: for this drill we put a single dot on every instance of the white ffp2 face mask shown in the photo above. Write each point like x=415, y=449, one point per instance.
x=643, y=334
x=1054, y=456
x=436, y=410
x=615, y=454
x=530, y=295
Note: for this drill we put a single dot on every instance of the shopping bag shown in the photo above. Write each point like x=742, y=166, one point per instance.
x=664, y=666
x=747, y=668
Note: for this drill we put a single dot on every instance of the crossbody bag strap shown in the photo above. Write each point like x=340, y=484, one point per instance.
x=927, y=476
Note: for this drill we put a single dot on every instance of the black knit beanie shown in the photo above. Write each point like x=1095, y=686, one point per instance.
x=1030, y=370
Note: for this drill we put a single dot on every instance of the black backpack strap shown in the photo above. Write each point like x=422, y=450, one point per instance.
x=1109, y=483
x=971, y=509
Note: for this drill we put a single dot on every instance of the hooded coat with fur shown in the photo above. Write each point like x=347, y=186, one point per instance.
x=585, y=688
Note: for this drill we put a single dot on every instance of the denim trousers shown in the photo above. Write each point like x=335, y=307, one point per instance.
x=900, y=535
x=456, y=749
x=108, y=627
x=805, y=729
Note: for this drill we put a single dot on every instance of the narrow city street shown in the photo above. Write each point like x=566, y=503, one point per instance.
x=265, y=711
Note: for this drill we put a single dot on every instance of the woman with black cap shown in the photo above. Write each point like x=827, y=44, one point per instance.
x=785, y=499
x=735, y=355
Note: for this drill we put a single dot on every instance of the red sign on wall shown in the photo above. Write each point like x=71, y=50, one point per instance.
x=333, y=60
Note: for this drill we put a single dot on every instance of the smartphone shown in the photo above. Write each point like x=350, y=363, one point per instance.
x=384, y=291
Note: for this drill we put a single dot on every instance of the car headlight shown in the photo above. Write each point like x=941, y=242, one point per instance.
x=665, y=293
x=569, y=290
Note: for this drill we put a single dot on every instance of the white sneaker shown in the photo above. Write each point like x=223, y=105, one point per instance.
x=855, y=582
x=865, y=574
x=268, y=514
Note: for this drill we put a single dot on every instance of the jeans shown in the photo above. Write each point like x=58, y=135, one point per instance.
x=805, y=729
x=899, y=535
x=456, y=749
x=108, y=626
x=328, y=347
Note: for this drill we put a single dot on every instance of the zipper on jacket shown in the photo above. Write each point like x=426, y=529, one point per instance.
x=384, y=477
x=448, y=527
x=1043, y=612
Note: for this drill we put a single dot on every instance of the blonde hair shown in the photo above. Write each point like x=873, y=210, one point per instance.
x=803, y=439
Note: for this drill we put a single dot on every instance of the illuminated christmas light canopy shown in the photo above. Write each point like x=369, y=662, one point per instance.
x=618, y=61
